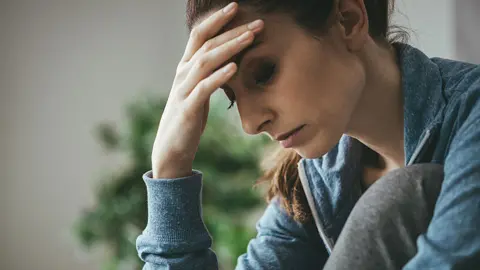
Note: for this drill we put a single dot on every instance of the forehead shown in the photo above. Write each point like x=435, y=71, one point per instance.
x=245, y=15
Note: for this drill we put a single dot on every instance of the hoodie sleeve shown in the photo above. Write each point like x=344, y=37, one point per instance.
x=452, y=240
x=176, y=237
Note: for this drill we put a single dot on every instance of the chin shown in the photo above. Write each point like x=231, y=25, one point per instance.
x=308, y=154
x=317, y=147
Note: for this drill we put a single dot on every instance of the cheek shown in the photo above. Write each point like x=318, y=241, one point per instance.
x=322, y=88
x=308, y=94
x=338, y=87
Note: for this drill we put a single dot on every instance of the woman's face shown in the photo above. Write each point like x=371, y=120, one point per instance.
x=291, y=79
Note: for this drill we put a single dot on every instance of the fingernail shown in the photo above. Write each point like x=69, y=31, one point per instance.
x=244, y=37
x=228, y=69
x=229, y=8
x=254, y=25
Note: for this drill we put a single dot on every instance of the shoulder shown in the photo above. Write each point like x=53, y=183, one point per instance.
x=459, y=78
x=461, y=91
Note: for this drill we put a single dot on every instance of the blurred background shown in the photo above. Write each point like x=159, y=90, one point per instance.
x=80, y=94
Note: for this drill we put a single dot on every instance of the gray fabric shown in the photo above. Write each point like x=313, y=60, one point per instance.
x=382, y=229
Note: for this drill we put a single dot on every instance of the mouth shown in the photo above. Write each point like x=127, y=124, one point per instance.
x=285, y=136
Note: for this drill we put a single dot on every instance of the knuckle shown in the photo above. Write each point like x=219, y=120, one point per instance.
x=195, y=33
x=233, y=43
x=181, y=76
x=209, y=45
x=201, y=63
x=201, y=86
x=180, y=68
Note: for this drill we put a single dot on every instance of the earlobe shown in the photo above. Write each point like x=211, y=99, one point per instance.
x=352, y=16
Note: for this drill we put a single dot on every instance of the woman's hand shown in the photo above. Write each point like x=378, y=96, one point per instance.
x=199, y=74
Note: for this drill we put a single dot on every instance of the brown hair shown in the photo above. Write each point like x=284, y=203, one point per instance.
x=280, y=167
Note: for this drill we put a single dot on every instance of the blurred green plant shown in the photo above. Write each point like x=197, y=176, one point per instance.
x=228, y=159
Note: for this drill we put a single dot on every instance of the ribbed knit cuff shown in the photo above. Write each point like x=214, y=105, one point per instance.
x=175, y=209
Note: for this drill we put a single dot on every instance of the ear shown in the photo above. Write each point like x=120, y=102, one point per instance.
x=353, y=20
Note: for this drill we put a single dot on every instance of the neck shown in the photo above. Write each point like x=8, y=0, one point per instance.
x=378, y=119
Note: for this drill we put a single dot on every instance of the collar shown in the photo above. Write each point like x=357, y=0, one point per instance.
x=423, y=99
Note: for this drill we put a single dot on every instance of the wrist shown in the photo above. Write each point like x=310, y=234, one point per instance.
x=171, y=171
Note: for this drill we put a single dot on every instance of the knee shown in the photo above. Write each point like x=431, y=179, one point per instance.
x=405, y=189
x=421, y=179
x=424, y=172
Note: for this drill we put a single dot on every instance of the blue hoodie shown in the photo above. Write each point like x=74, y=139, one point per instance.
x=442, y=125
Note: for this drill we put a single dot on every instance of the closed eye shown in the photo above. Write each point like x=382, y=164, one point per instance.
x=261, y=76
x=264, y=74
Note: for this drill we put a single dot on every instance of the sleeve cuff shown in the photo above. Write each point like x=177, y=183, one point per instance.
x=175, y=209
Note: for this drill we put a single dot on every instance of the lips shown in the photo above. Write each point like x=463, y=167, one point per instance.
x=284, y=136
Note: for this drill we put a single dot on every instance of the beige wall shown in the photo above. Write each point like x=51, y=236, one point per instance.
x=467, y=33
x=430, y=24
x=65, y=66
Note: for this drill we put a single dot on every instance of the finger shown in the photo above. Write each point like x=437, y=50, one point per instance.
x=204, y=89
x=255, y=26
x=208, y=28
x=209, y=62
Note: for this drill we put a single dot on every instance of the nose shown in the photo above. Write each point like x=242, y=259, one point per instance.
x=255, y=117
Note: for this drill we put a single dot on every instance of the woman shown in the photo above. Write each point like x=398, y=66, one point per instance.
x=386, y=141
